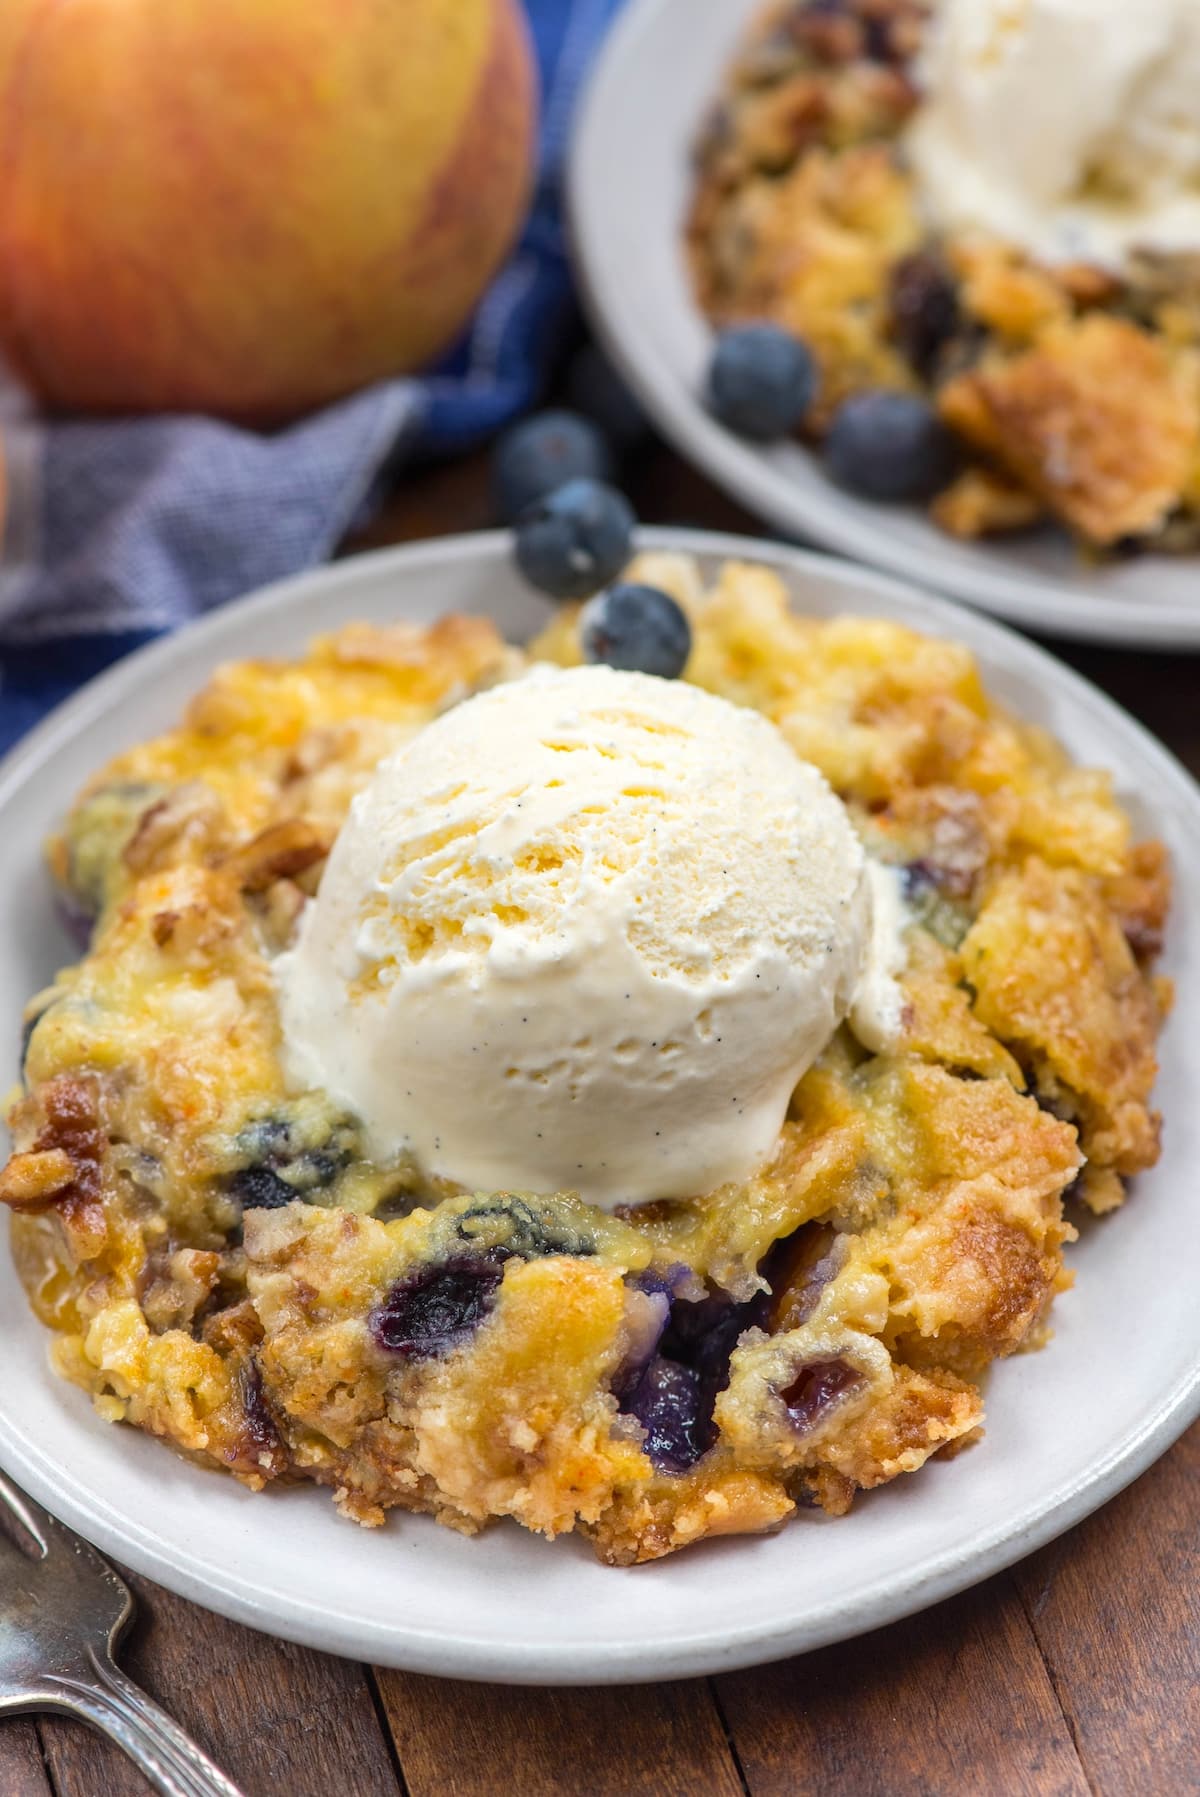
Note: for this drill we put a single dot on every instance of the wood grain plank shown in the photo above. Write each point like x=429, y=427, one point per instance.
x=277, y=1718
x=22, y=1770
x=1115, y=1607
x=1160, y=690
x=457, y=495
x=457, y=1740
x=436, y=502
x=82, y=1761
x=955, y=1700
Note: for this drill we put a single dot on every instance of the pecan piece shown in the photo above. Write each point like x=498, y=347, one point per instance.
x=281, y=851
x=31, y=1181
x=62, y=1170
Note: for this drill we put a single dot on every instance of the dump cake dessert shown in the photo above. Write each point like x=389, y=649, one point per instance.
x=499, y=1085
x=980, y=219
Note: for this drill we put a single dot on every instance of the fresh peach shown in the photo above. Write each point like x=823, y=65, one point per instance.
x=250, y=207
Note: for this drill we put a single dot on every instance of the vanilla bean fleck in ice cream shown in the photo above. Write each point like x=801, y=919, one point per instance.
x=586, y=931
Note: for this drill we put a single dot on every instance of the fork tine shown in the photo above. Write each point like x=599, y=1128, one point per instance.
x=36, y=1522
x=48, y=1533
x=46, y=1530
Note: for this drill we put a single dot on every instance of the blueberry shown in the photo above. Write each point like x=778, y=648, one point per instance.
x=925, y=314
x=436, y=1309
x=260, y=1427
x=261, y=1189
x=638, y=628
x=953, y=877
x=917, y=879
x=540, y=453
x=674, y=1397
x=667, y=1283
x=667, y=1402
x=77, y=919
x=704, y=1334
x=596, y=389
x=761, y=381
x=290, y=1156
x=511, y=1226
x=576, y=538
x=889, y=446
x=816, y=1387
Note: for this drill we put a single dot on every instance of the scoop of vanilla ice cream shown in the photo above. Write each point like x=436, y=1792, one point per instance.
x=586, y=931
x=1069, y=127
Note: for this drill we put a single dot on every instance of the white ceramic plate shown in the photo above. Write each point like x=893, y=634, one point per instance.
x=1066, y=1428
x=630, y=183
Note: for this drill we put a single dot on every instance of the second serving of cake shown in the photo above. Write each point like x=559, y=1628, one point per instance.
x=991, y=209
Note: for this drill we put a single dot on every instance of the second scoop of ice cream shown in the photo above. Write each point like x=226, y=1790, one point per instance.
x=1069, y=127
x=587, y=931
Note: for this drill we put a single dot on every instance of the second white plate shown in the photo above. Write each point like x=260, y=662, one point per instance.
x=631, y=179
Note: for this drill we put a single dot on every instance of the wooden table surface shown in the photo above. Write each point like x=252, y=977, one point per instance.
x=1077, y=1672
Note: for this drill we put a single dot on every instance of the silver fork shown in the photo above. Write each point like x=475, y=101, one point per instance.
x=62, y=1611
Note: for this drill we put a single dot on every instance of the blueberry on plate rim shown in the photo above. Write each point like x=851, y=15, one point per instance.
x=540, y=453
x=889, y=446
x=637, y=628
x=761, y=381
x=575, y=539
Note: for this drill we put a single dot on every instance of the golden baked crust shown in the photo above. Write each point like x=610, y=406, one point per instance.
x=1075, y=393
x=1093, y=421
x=222, y=1264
